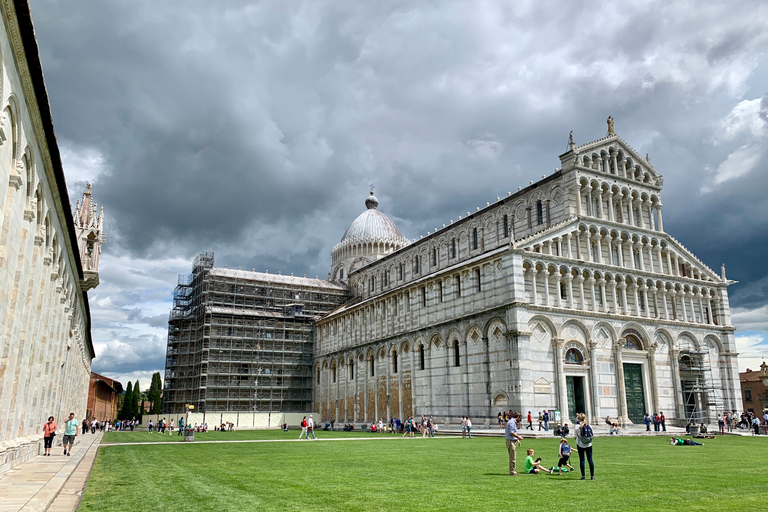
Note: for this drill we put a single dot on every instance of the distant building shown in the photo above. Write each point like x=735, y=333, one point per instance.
x=241, y=341
x=754, y=390
x=48, y=257
x=103, y=394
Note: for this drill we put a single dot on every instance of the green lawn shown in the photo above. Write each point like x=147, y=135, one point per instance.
x=390, y=473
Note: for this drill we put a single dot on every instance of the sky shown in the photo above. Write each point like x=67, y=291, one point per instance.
x=254, y=130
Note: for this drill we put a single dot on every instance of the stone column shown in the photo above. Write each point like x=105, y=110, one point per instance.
x=591, y=284
x=602, y=295
x=364, y=416
x=599, y=245
x=546, y=288
x=614, y=300
x=669, y=263
x=569, y=277
x=661, y=222
x=593, y=381
x=578, y=244
x=644, y=292
x=682, y=302
x=533, y=272
x=652, y=374
x=677, y=386
x=621, y=251
x=631, y=205
x=622, y=392
x=637, y=302
x=640, y=254
x=623, y=291
x=693, y=308
x=562, y=390
x=664, y=295
x=701, y=307
x=610, y=206
x=582, y=302
x=650, y=215
x=568, y=245
x=578, y=200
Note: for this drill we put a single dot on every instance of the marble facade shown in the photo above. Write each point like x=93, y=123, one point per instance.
x=565, y=296
x=45, y=348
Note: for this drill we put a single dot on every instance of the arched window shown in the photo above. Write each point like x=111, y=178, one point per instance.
x=456, y=354
x=318, y=375
x=416, y=265
x=478, y=280
x=394, y=361
x=574, y=356
x=474, y=239
x=333, y=373
x=539, y=212
x=351, y=367
x=453, y=248
x=421, y=357
x=506, y=226
x=458, y=286
x=341, y=273
x=371, y=364
x=434, y=256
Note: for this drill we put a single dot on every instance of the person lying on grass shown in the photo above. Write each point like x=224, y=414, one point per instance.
x=565, y=455
x=676, y=441
x=534, y=466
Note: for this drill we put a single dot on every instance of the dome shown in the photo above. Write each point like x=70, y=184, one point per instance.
x=372, y=225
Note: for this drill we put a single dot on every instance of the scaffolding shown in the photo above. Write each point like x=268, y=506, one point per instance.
x=243, y=341
x=701, y=396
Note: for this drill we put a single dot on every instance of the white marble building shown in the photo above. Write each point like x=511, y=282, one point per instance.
x=45, y=347
x=565, y=296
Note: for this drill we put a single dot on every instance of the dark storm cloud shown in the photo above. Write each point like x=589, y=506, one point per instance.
x=254, y=129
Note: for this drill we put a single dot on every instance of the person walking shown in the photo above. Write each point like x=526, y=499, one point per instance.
x=469, y=428
x=304, y=429
x=49, y=432
x=546, y=421
x=530, y=421
x=70, y=433
x=513, y=441
x=311, y=427
x=584, y=437
x=647, y=420
x=541, y=420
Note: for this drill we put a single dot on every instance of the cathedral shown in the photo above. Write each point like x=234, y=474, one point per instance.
x=566, y=296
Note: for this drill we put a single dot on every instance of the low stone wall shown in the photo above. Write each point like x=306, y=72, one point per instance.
x=242, y=421
x=13, y=453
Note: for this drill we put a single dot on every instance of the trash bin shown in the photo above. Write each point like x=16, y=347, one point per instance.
x=189, y=435
x=694, y=430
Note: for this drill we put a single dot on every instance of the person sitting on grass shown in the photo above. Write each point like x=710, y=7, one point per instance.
x=534, y=466
x=676, y=441
x=564, y=451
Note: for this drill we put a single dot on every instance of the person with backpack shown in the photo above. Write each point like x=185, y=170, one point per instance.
x=546, y=421
x=584, y=435
x=304, y=428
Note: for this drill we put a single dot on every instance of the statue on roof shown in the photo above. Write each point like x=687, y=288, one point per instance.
x=610, y=126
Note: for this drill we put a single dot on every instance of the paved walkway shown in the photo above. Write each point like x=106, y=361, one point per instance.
x=56, y=481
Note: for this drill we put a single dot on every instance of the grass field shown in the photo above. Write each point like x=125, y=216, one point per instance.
x=389, y=473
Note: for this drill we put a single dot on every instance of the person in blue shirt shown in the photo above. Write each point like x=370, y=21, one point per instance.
x=512, y=437
x=565, y=455
x=70, y=433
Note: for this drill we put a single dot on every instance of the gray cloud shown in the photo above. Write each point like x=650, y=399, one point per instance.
x=254, y=129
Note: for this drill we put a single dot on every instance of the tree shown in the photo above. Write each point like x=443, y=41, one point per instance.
x=125, y=412
x=155, y=394
x=136, y=398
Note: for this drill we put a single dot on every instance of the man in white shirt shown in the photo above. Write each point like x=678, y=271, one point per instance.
x=311, y=427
